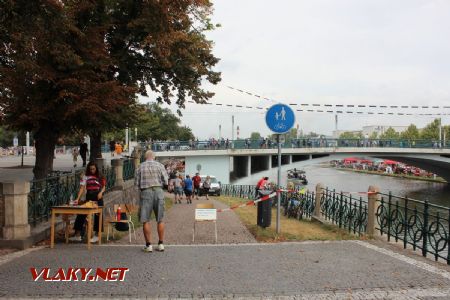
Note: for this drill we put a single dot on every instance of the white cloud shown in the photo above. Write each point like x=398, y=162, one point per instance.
x=328, y=51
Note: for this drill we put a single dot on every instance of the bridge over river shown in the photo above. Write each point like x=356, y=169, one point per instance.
x=230, y=164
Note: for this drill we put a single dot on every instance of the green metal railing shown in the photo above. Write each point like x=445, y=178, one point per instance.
x=48, y=192
x=128, y=169
x=420, y=224
x=294, y=143
x=304, y=206
x=110, y=176
x=345, y=211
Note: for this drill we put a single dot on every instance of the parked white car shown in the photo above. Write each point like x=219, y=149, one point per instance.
x=215, y=188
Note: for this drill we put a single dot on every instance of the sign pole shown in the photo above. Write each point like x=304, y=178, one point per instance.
x=278, y=184
x=280, y=118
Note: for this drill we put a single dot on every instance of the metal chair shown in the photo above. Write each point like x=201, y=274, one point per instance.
x=201, y=206
x=113, y=221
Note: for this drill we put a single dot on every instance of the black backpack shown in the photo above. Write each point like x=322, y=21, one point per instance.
x=123, y=226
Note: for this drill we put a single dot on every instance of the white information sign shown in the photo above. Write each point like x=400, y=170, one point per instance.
x=205, y=214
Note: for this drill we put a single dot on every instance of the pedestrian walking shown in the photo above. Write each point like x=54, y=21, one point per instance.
x=112, y=147
x=93, y=184
x=178, y=188
x=197, y=180
x=207, y=186
x=150, y=178
x=75, y=156
x=188, y=186
x=83, y=152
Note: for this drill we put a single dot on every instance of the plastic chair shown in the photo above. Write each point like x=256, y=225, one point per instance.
x=204, y=206
x=125, y=208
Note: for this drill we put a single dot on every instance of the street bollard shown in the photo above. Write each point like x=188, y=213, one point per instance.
x=319, y=192
x=372, y=209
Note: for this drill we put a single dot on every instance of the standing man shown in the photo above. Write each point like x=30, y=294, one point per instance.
x=112, y=147
x=261, y=185
x=150, y=178
x=83, y=152
x=75, y=156
x=196, y=180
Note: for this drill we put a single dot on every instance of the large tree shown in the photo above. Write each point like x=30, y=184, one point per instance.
x=411, y=133
x=431, y=131
x=157, y=123
x=76, y=65
x=390, y=133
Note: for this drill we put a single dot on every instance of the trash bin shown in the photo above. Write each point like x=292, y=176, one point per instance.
x=264, y=215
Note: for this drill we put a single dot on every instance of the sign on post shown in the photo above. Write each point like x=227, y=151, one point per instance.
x=205, y=214
x=280, y=118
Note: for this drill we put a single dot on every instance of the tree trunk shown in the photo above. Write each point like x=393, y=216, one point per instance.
x=45, y=139
x=96, y=145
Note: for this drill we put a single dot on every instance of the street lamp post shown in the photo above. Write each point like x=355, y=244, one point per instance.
x=232, y=128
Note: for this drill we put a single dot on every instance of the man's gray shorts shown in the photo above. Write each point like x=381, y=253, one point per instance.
x=152, y=199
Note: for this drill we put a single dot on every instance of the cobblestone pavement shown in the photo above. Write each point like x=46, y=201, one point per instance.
x=179, y=222
x=303, y=270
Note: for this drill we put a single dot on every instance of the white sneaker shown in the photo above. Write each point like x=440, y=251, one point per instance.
x=75, y=239
x=94, y=239
x=147, y=249
x=161, y=247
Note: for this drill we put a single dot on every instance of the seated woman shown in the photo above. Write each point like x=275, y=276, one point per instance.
x=94, y=184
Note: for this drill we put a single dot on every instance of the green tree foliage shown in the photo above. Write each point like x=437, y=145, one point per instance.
x=411, y=133
x=255, y=136
x=390, y=133
x=76, y=65
x=348, y=135
x=431, y=131
x=6, y=137
x=373, y=135
x=157, y=123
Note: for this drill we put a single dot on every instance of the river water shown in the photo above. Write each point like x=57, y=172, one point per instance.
x=348, y=181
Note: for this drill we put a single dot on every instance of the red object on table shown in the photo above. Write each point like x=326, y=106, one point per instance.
x=118, y=213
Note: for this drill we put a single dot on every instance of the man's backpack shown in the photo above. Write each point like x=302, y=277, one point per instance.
x=123, y=226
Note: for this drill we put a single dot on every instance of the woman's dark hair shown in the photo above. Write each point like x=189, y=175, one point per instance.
x=97, y=171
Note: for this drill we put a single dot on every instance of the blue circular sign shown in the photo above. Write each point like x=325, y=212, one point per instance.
x=280, y=118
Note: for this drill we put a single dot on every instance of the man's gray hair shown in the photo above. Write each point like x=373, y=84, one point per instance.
x=149, y=154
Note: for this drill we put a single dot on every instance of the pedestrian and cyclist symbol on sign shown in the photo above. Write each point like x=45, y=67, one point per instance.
x=280, y=118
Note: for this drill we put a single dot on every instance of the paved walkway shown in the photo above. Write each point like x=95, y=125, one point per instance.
x=179, y=220
x=305, y=270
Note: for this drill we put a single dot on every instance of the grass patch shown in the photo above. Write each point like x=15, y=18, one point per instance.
x=291, y=229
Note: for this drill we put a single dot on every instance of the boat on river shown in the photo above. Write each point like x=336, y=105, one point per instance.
x=297, y=177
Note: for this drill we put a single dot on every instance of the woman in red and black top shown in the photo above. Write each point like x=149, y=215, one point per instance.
x=93, y=183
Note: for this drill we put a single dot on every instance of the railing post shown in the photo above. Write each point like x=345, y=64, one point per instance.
x=136, y=154
x=319, y=193
x=425, y=229
x=100, y=163
x=372, y=209
x=117, y=164
x=15, y=200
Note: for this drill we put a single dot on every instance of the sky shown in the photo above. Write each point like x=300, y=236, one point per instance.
x=378, y=52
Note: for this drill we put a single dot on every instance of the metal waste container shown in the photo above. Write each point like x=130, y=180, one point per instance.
x=264, y=216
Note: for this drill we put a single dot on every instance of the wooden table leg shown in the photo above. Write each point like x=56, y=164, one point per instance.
x=89, y=230
x=100, y=223
x=66, y=232
x=52, y=231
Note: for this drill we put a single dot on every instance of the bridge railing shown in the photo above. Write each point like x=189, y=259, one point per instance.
x=294, y=143
x=419, y=224
x=344, y=210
